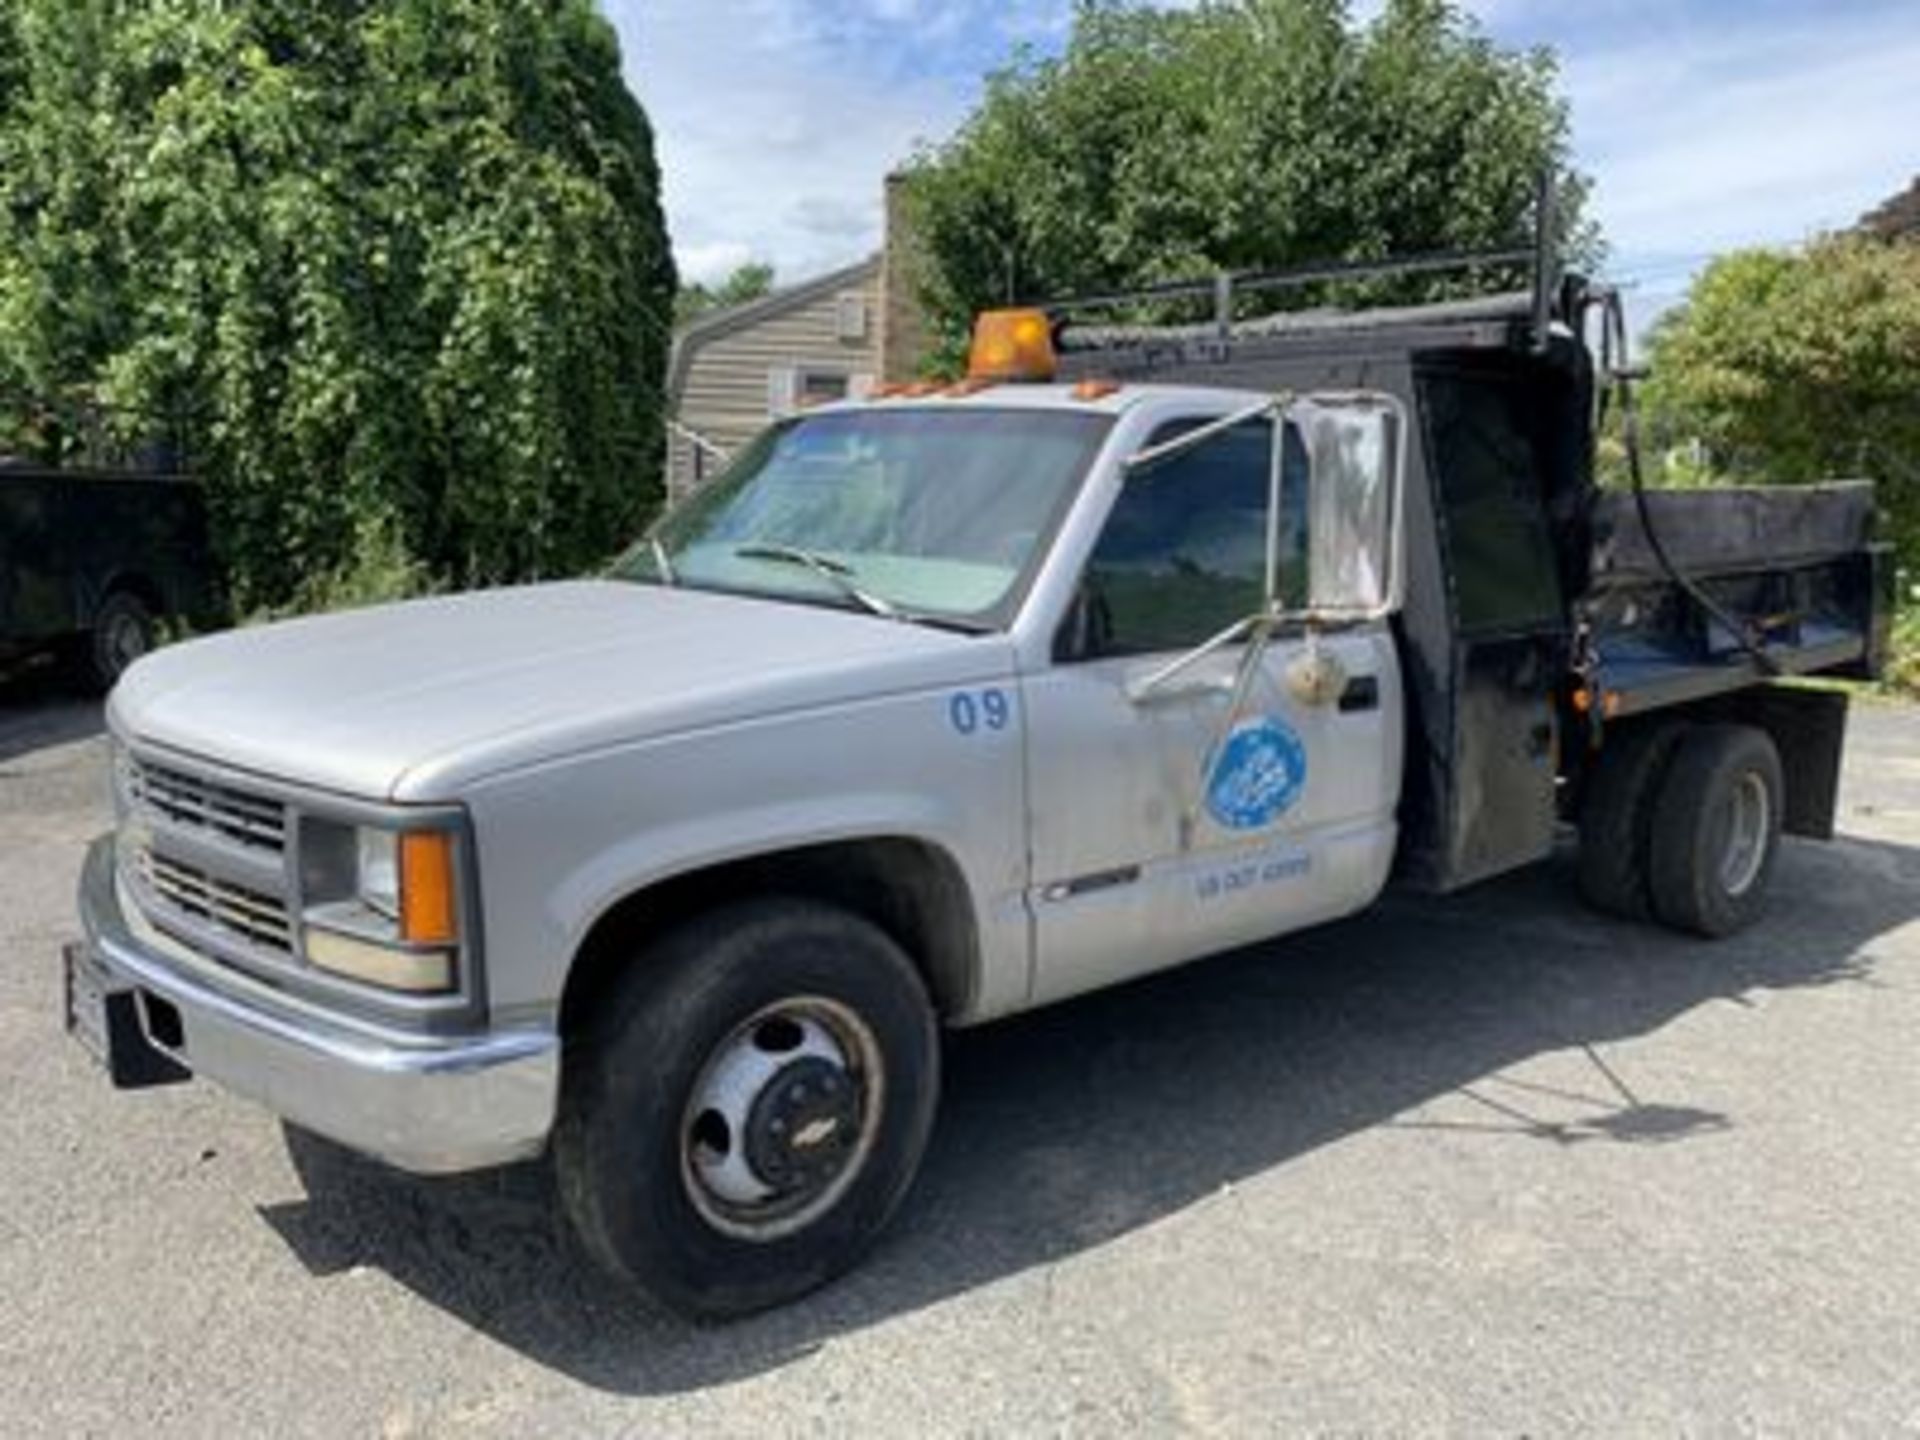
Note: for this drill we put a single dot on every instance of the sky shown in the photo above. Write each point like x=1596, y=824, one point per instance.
x=1705, y=124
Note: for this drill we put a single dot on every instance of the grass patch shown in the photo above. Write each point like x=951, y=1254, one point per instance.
x=379, y=572
x=1903, y=673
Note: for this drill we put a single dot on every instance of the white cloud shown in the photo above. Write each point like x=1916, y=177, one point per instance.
x=1734, y=138
x=834, y=219
x=1705, y=127
x=1706, y=132
x=706, y=264
x=778, y=120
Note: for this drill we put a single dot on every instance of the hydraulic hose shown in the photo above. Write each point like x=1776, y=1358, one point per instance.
x=1613, y=361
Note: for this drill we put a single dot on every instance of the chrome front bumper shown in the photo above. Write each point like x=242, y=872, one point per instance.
x=429, y=1104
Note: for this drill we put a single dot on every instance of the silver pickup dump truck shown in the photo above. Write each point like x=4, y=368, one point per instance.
x=933, y=708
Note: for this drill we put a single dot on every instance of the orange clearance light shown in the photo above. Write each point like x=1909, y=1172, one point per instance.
x=1012, y=345
x=426, y=888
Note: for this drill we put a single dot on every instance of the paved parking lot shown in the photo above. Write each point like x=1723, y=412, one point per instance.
x=1482, y=1166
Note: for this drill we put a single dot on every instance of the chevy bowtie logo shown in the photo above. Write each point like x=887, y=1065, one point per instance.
x=817, y=1133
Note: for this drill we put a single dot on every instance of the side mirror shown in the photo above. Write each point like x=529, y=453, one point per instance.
x=1356, y=469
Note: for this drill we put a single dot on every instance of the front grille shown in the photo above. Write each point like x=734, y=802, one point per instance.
x=234, y=910
x=193, y=804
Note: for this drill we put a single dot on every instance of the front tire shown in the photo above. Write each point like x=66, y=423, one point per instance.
x=1716, y=830
x=749, y=1106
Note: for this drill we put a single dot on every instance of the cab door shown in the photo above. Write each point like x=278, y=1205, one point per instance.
x=1168, y=822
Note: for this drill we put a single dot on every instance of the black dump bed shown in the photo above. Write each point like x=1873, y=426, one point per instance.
x=1728, y=531
x=1795, y=568
x=1538, y=609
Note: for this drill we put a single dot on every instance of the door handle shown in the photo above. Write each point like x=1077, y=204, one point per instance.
x=1171, y=690
x=1362, y=694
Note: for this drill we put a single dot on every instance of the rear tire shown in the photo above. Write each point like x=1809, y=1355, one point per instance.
x=1616, y=821
x=748, y=1106
x=1716, y=830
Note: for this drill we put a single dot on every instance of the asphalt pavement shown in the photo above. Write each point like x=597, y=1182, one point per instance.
x=1489, y=1165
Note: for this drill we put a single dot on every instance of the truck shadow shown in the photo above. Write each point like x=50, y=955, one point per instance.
x=38, y=713
x=1063, y=1130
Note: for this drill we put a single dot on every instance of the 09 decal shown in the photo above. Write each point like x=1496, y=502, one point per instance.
x=972, y=711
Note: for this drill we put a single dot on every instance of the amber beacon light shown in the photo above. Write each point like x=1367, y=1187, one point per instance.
x=1012, y=345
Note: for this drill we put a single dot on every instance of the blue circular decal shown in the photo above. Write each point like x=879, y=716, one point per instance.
x=1260, y=773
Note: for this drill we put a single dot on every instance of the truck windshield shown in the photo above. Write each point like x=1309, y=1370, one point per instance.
x=919, y=513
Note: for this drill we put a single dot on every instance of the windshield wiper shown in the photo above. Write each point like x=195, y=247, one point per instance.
x=840, y=576
x=663, y=562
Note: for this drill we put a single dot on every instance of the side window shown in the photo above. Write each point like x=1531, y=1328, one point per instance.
x=1184, y=552
x=1487, y=450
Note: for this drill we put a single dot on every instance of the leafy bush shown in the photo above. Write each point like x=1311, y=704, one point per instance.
x=1790, y=367
x=1904, y=674
x=398, y=267
x=378, y=570
x=1245, y=134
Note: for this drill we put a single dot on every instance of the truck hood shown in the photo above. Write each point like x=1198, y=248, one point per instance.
x=411, y=701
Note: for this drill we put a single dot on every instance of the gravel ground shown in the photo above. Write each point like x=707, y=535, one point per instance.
x=1480, y=1166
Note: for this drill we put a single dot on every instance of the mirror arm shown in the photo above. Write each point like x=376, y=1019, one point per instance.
x=1180, y=444
x=1144, y=686
x=1276, y=496
x=1259, y=640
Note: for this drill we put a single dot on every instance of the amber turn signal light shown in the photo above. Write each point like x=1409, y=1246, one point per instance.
x=427, y=907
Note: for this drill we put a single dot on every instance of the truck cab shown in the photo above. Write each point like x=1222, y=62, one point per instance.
x=934, y=707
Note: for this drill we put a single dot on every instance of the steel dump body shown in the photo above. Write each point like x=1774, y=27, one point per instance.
x=1801, y=562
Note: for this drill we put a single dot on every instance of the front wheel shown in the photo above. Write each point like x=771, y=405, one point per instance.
x=747, y=1110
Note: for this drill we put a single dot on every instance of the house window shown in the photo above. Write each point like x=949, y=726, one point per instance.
x=852, y=318
x=800, y=387
x=822, y=387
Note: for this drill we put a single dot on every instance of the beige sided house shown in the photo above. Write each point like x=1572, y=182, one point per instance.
x=738, y=369
x=829, y=338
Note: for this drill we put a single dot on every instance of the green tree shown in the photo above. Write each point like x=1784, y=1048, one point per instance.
x=1789, y=367
x=1241, y=134
x=401, y=263
x=751, y=281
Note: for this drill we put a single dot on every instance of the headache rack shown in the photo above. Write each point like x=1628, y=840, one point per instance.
x=1540, y=607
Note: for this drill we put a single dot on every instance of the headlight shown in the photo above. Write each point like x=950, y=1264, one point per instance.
x=377, y=870
x=382, y=905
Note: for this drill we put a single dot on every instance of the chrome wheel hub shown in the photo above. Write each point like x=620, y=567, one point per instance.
x=781, y=1119
x=1749, y=824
